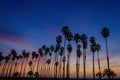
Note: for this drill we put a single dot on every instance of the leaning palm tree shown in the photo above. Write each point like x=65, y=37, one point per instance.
x=83, y=38
x=98, y=48
x=105, y=33
x=93, y=49
x=69, y=48
x=77, y=39
x=65, y=30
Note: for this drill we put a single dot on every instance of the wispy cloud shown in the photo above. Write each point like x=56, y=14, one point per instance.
x=13, y=39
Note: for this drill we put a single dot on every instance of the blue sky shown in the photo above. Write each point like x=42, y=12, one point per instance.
x=28, y=24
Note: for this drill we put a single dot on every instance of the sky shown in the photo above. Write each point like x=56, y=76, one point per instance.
x=28, y=24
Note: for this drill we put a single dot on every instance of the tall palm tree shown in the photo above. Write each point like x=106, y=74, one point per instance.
x=77, y=39
x=14, y=54
x=105, y=33
x=22, y=62
x=61, y=55
x=98, y=48
x=93, y=49
x=40, y=57
x=51, y=54
x=57, y=48
x=83, y=38
x=65, y=30
x=30, y=72
x=69, y=48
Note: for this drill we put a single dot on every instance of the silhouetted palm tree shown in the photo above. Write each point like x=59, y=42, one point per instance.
x=22, y=62
x=41, y=62
x=57, y=48
x=69, y=48
x=93, y=49
x=77, y=39
x=65, y=30
x=105, y=33
x=51, y=54
x=98, y=48
x=83, y=38
x=14, y=54
x=60, y=67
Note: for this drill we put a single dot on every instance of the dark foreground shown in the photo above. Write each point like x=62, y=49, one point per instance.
x=26, y=78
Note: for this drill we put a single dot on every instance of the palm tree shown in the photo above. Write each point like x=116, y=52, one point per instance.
x=77, y=39
x=57, y=48
x=98, y=48
x=40, y=57
x=83, y=38
x=33, y=60
x=65, y=30
x=93, y=49
x=51, y=54
x=69, y=48
x=14, y=54
x=61, y=54
x=22, y=62
x=1, y=59
x=105, y=33
x=30, y=65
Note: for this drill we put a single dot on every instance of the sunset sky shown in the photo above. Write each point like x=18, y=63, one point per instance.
x=28, y=24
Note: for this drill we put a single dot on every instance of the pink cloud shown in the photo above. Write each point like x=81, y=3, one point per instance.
x=12, y=39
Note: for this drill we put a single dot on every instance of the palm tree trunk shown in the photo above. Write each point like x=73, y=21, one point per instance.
x=93, y=68
x=63, y=57
x=3, y=70
x=99, y=66
x=10, y=69
x=107, y=56
x=84, y=62
x=77, y=70
x=60, y=71
x=22, y=66
x=107, y=53
x=68, y=63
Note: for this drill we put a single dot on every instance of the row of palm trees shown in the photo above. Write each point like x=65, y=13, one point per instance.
x=48, y=61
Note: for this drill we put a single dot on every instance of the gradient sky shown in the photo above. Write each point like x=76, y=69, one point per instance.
x=28, y=24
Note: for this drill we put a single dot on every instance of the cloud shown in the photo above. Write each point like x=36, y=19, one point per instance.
x=13, y=39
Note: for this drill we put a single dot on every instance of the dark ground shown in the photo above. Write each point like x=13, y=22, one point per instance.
x=26, y=78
